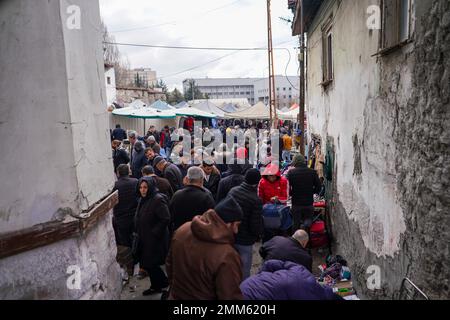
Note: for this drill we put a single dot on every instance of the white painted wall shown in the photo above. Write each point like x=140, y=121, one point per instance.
x=111, y=91
x=55, y=148
x=339, y=112
x=58, y=152
x=87, y=101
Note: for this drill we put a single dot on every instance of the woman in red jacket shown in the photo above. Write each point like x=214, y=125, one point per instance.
x=273, y=187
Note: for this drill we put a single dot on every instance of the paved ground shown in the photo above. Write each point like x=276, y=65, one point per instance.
x=133, y=290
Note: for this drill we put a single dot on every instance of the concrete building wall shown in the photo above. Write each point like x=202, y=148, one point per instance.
x=148, y=76
x=378, y=113
x=56, y=159
x=253, y=89
x=286, y=90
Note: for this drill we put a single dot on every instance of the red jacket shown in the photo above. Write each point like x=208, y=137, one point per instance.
x=280, y=188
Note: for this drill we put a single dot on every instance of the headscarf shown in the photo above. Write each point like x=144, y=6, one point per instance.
x=152, y=188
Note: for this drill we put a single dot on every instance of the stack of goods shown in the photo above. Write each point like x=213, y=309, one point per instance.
x=337, y=275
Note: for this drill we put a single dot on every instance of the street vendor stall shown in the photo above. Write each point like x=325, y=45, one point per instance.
x=258, y=112
x=138, y=115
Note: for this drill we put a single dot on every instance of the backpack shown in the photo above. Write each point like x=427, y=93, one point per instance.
x=277, y=216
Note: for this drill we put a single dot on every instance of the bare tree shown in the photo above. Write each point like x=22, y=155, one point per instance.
x=112, y=56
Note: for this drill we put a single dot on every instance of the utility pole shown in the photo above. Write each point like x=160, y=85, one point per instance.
x=273, y=111
x=301, y=116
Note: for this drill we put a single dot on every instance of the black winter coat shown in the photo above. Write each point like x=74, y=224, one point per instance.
x=120, y=156
x=228, y=183
x=138, y=160
x=173, y=174
x=213, y=184
x=152, y=222
x=286, y=249
x=189, y=202
x=124, y=211
x=304, y=183
x=251, y=227
x=119, y=134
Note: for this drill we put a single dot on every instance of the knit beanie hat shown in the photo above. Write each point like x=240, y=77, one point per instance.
x=157, y=160
x=252, y=177
x=229, y=210
x=298, y=161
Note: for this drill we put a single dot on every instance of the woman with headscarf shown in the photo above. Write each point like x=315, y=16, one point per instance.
x=152, y=222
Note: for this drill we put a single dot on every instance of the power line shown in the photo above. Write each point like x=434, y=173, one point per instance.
x=223, y=57
x=188, y=47
x=199, y=66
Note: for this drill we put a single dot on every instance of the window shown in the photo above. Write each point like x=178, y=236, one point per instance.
x=396, y=22
x=108, y=80
x=327, y=52
x=284, y=89
x=290, y=89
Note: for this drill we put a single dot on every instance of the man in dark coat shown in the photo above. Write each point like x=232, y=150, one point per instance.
x=288, y=249
x=251, y=227
x=138, y=160
x=152, y=132
x=202, y=263
x=304, y=183
x=234, y=178
x=118, y=133
x=162, y=184
x=212, y=177
x=170, y=172
x=123, y=216
x=124, y=211
x=191, y=201
x=152, y=222
x=281, y=280
x=151, y=143
x=120, y=156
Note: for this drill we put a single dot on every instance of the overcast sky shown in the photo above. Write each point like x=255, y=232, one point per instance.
x=201, y=23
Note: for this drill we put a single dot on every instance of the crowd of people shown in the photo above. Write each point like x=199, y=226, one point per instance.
x=201, y=219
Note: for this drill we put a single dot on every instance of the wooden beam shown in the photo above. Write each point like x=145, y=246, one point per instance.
x=16, y=242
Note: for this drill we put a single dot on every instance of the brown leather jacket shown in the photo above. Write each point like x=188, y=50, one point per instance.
x=202, y=263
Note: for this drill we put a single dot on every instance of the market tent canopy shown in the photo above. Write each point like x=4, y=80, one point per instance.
x=209, y=107
x=150, y=113
x=193, y=112
x=258, y=111
x=229, y=108
x=161, y=105
x=138, y=109
x=182, y=104
x=290, y=115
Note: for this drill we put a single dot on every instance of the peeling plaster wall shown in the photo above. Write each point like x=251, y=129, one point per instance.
x=55, y=147
x=371, y=112
x=86, y=89
x=37, y=171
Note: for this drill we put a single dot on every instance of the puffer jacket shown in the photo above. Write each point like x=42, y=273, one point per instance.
x=280, y=188
x=280, y=280
x=251, y=227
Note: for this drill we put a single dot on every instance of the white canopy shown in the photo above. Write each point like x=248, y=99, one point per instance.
x=209, y=107
x=258, y=111
x=138, y=109
x=290, y=115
